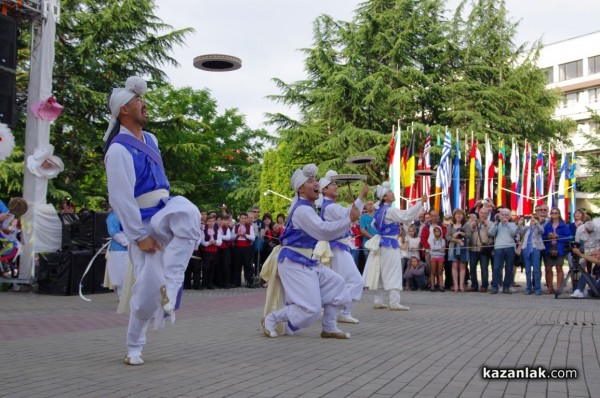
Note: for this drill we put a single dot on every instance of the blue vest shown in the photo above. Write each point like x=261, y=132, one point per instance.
x=389, y=232
x=334, y=243
x=295, y=237
x=148, y=175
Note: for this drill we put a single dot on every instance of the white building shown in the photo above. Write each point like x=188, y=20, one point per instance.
x=573, y=66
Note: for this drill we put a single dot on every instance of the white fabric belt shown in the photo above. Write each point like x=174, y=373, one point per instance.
x=151, y=199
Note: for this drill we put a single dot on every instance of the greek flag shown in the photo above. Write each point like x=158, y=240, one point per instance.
x=445, y=174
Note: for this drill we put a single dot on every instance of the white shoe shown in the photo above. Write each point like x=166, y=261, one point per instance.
x=134, y=360
x=168, y=307
x=380, y=306
x=398, y=307
x=335, y=335
x=577, y=294
x=268, y=325
x=347, y=319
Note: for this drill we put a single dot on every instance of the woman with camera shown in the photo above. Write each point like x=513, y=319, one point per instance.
x=556, y=235
x=458, y=252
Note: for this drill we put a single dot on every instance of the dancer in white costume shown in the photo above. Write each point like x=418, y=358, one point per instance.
x=385, y=263
x=162, y=230
x=307, y=284
x=342, y=261
x=118, y=258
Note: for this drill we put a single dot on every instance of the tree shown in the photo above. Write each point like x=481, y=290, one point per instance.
x=591, y=161
x=496, y=88
x=99, y=45
x=403, y=60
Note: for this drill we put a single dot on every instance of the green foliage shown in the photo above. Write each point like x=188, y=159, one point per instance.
x=402, y=61
x=98, y=46
x=591, y=161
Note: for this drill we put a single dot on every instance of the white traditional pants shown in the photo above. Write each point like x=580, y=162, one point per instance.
x=177, y=228
x=344, y=265
x=307, y=289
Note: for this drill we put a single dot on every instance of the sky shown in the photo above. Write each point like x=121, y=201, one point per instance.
x=267, y=36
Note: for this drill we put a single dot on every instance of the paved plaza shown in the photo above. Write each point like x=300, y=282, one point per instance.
x=57, y=346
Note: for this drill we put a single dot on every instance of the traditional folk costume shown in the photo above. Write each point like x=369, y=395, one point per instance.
x=242, y=254
x=385, y=263
x=223, y=271
x=342, y=261
x=308, y=286
x=209, y=254
x=117, y=256
x=138, y=192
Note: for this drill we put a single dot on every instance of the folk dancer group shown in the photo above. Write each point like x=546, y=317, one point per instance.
x=159, y=233
x=306, y=283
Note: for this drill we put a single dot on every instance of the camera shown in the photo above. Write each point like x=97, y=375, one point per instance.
x=528, y=217
x=569, y=249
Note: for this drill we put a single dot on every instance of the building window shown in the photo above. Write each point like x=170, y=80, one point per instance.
x=594, y=95
x=569, y=100
x=594, y=65
x=570, y=70
x=549, y=72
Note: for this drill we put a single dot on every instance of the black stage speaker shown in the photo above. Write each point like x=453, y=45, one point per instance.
x=79, y=262
x=8, y=66
x=54, y=273
x=70, y=221
x=77, y=230
x=99, y=269
x=100, y=229
x=8, y=95
x=83, y=237
x=8, y=42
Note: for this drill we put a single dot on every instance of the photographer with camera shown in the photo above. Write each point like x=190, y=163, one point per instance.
x=480, y=248
x=458, y=252
x=532, y=246
x=556, y=235
x=504, y=233
x=594, y=279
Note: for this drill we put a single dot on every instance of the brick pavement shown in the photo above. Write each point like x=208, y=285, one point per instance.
x=64, y=347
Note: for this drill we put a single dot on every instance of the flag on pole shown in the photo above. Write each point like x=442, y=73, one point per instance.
x=426, y=165
x=456, y=176
x=501, y=171
x=562, y=181
x=478, y=165
x=488, y=183
x=443, y=179
x=394, y=173
x=539, y=176
x=525, y=199
x=573, y=180
x=551, y=178
x=408, y=172
x=514, y=176
x=472, y=173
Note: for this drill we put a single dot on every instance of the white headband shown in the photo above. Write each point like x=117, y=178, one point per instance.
x=300, y=177
x=382, y=189
x=121, y=96
x=326, y=180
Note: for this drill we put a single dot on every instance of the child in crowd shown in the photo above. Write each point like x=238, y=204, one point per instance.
x=437, y=244
x=415, y=274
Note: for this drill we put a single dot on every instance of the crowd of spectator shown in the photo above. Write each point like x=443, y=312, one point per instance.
x=232, y=250
x=456, y=253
